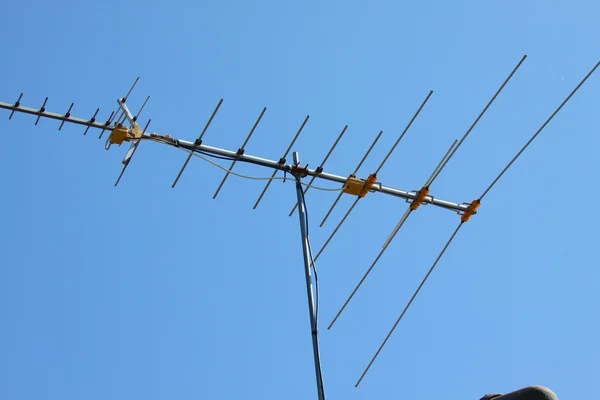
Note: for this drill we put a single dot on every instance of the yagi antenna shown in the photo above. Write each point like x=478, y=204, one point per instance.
x=123, y=126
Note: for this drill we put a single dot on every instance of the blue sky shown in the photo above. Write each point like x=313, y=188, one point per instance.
x=144, y=291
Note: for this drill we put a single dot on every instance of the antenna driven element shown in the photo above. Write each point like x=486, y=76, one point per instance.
x=115, y=113
x=352, y=175
x=240, y=152
x=141, y=109
x=67, y=115
x=421, y=194
x=197, y=143
x=540, y=129
x=17, y=105
x=45, y=114
x=466, y=216
x=282, y=162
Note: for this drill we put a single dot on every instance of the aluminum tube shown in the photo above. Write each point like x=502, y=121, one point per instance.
x=128, y=113
x=309, y=289
x=246, y=158
x=60, y=117
x=323, y=175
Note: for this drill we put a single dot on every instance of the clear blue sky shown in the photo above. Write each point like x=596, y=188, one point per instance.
x=148, y=292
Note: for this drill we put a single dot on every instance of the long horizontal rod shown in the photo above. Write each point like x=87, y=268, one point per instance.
x=60, y=117
x=312, y=172
x=378, y=187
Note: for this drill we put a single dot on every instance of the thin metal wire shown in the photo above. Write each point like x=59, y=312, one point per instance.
x=93, y=119
x=440, y=166
x=354, y=173
x=406, y=214
x=240, y=151
x=376, y=172
x=408, y=305
x=199, y=140
x=131, y=89
x=337, y=227
x=429, y=182
x=397, y=228
x=141, y=108
x=43, y=108
x=296, y=136
x=404, y=132
x=321, y=165
x=488, y=105
x=282, y=158
x=539, y=130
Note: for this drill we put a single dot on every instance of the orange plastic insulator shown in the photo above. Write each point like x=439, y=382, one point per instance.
x=353, y=185
x=368, y=185
x=421, y=194
x=472, y=210
x=119, y=134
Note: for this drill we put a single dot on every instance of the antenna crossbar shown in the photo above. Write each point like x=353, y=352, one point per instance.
x=60, y=117
x=377, y=187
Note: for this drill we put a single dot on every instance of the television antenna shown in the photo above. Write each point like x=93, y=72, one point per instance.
x=122, y=126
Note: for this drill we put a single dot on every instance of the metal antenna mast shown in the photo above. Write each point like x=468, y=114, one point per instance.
x=122, y=126
x=308, y=268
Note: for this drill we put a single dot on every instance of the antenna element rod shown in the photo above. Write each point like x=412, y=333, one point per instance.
x=539, y=130
x=409, y=303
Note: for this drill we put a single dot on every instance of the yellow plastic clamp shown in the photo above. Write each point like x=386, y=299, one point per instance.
x=353, y=185
x=367, y=186
x=118, y=135
x=421, y=195
x=472, y=210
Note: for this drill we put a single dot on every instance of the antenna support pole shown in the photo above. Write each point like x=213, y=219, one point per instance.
x=306, y=252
